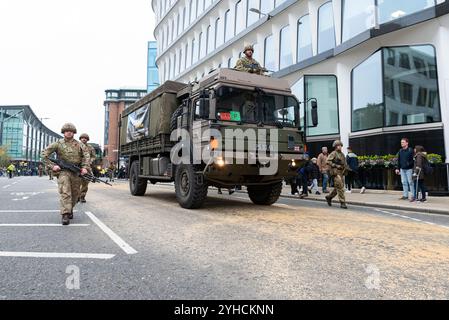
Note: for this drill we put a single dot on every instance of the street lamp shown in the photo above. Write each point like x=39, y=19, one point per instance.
x=257, y=11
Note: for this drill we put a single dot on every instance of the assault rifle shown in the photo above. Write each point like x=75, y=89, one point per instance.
x=77, y=170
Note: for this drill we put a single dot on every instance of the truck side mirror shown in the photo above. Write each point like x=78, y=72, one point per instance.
x=314, y=113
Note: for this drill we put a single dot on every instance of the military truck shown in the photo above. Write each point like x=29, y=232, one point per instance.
x=164, y=133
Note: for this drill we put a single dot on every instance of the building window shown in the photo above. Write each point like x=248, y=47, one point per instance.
x=305, y=50
x=367, y=99
x=184, y=18
x=219, y=33
x=252, y=16
x=209, y=42
x=202, y=45
x=390, y=10
x=417, y=98
x=229, y=26
x=285, y=54
x=324, y=89
x=326, y=29
x=266, y=6
x=404, y=61
x=178, y=24
x=240, y=17
x=269, y=53
x=358, y=16
x=194, y=54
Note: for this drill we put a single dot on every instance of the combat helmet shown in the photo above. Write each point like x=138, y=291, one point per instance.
x=337, y=143
x=248, y=47
x=68, y=127
x=85, y=135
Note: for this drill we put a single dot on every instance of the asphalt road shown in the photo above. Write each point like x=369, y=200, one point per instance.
x=126, y=247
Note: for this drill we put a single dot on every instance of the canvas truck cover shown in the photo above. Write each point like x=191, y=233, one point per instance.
x=150, y=116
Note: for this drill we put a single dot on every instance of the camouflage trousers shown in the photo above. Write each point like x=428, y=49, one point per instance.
x=69, y=190
x=84, y=188
x=339, y=189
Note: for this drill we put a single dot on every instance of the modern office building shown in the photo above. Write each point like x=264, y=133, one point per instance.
x=116, y=101
x=152, y=74
x=378, y=68
x=24, y=135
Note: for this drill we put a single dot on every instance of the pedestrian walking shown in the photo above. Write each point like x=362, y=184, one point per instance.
x=10, y=170
x=72, y=152
x=324, y=168
x=84, y=139
x=305, y=174
x=111, y=171
x=40, y=170
x=315, y=176
x=421, y=168
x=338, y=170
x=353, y=170
x=405, y=170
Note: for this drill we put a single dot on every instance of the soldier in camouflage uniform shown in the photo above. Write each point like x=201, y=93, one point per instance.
x=338, y=168
x=74, y=152
x=84, y=138
x=248, y=64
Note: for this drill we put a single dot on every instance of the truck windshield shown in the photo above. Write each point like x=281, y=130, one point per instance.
x=252, y=107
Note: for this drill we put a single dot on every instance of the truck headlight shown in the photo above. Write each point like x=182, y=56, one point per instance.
x=220, y=162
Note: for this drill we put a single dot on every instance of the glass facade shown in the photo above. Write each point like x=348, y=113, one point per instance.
x=269, y=56
x=393, y=9
x=396, y=86
x=326, y=28
x=152, y=71
x=358, y=16
x=23, y=134
x=285, y=54
x=324, y=89
x=304, y=39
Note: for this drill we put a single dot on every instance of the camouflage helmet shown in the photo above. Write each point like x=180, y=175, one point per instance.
x=337, y=143
x=85, y=135
x=248, y=47
x=68, y=127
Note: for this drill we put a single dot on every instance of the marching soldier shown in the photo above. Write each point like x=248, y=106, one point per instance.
x=84, y=138
x=73, y=152
x=248, y=64
x=338, y=168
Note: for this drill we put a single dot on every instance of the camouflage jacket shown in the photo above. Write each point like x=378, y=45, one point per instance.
x=249, y=65
x=92, y=153
x=71, y=151
x=337, y=164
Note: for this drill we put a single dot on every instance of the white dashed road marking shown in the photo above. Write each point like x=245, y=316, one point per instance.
x=41, y=225
x=114, y=237
x=56, y=255
x=410, y=218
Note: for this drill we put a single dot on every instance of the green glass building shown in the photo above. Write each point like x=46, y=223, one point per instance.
x=24, y=135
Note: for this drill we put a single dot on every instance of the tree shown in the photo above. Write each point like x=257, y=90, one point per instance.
x=4, y=158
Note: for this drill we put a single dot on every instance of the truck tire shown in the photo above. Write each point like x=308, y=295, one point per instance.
x=174, y=119
x=265, y=195
x=137, y=186
x=190, y=193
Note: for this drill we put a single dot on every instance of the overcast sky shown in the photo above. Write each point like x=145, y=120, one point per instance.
x=58, y=56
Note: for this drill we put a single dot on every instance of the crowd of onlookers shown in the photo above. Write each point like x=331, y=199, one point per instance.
x=412, y=165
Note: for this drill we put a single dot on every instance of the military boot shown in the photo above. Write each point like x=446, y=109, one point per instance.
x=343, y=205
x=71, y=215
x=65, y=219
x=82, y=200
x=329, y=201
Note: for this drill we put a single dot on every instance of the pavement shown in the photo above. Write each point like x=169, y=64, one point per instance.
x=125, y=247
x=383, y=199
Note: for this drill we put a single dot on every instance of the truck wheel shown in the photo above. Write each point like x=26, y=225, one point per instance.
x=137, y=186
x=265, y=195
x=190, y=192
x=174, y=119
